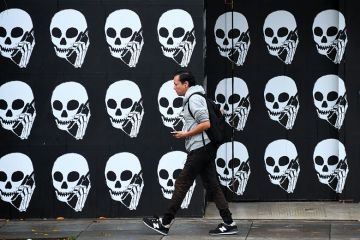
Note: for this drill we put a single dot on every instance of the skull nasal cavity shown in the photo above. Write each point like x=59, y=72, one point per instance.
x=170, y=111
x=324, y=39
x=8, y=185
x=276, y=105
x=170, y=183
x=8, y=41
x=63, y=41
x=64, y=114
x=226, y=42
x=9, y=113
x=64, y=185
x=118, y=184
x=275, y=40
x=276, y=169
x=226, y=171
x=226, y=107
x=117, y=41
x=118, y=112
x=325, y=169
x=170, y=41
x=324, y=104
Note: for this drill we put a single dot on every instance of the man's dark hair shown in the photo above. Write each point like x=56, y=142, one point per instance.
x=185, y=75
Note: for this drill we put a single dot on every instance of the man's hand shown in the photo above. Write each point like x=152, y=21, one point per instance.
x=180, y=134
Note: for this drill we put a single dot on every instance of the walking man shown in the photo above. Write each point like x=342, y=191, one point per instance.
x=200, y=159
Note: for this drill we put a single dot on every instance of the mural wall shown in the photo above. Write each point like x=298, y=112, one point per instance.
x=87, y=106
x=286, y=76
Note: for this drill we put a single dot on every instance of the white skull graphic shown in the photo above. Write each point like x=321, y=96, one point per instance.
x=17, y=106
x=176, y=34
x=66, y=101
x=121, y=28
x=326, y=28
x=230, y=96
x=279, y=92
x=15, y=27
x=16, y=174
x=231, y=28
x=170, y=104
x=328, y=155
x=326, y=93
x=279, y=157
x=71, y=176
x=69, y=34
x=169, y=168
x=121, y=172
x=120, y=99
x=228, y=163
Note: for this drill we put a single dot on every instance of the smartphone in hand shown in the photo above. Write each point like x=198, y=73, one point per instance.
x=73, y=198
x=28, y=181
x=71, y=56
x=74, y=126
x=17, y=54
x=126, y=55
x=19, y=125
x=234, y=53
x=178, y=54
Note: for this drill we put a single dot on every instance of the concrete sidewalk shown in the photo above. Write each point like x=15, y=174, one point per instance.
x=295, y=226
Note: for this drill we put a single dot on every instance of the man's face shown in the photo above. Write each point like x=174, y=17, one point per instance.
x=179, y=87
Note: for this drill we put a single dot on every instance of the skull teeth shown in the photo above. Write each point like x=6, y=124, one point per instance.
x=117, y=193
x=62, y=50
x=225, y=179
x=323, y=47
x=323, y=112
x=8, y=122
x=167, y=191
x=117, y=120
x=62, y=122
x=169, y=50
x=63, y=194
x=4, y=49
x=274, y=113
x=117, y=50
x=274, y=48
x=324, y=176
x=225, y=50
x=275, y=177
x=170, y=119
x=10, y=194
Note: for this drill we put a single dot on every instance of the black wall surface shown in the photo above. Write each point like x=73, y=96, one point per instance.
x=46, y=142
x=305, y=69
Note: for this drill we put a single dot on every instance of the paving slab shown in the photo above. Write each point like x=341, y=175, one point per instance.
x=345, y=231
x=2, y=223
x=199, y=229
x=43, y=229
x=289, y=210
x=275, y=230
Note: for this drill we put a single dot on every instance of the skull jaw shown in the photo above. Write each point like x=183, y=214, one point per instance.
x=168, y=122
x=116, y=195
x=7, y=196
x=323, y=114
x=168, y=52
x=275, y=179
x=61, y=52
x=324, y=178
x=274, y=115
x=117, y=123
x=8, y=124
x=167, y=193
x=116, y=52
x=62, y=125
x=6, y=51
x=273, y=50
x=323, y=49
x=224, y=51
x=62, y=196
x=225, y=181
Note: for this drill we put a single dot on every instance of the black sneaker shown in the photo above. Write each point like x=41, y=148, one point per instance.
x=224, y=229
x=156, y=224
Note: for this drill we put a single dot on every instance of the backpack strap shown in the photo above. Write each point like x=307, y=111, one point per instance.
x=192, y=115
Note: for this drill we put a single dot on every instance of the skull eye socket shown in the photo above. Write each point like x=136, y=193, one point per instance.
x=282, y=32
x=269, y=32
x=126, y=103
x=178, y=32
x=71, y=32
x=318, y=31
x=269, y=97
x=163, y=32
x=17, y=176
x=57, y=105
x=220, y=98
x=17, y=32
x=283, y=161
x=58, y=176
x=333, y=160
x=111, y=176
x=3, y=176
x=176, y=173
x=72, y=105
x=2, y=32
x=270, y=161
x=111, y=103
x=125, y=175
x=283, y=97
x=331, y=31
x=332, y=96
x=164, y=174
x=234, y=163
x=73, y=176
x=220, y=33
x=178, y=102
x=17, y=104
x=318, y=96
x=319, y=160
x=220, y=162
x=235, y=98
x=56, y=32
x=164, y=102
x=110, y=32
x=234, y=33
x=125, y=32
x=3, y=104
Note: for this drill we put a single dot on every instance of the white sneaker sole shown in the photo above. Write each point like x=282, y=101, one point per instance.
x=162, y=233
x=224, y=233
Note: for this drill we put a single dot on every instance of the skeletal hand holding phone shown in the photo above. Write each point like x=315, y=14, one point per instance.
x=288, y=181
x=132, y=194
x=288, y=116
x=238, y=53
x=337, y=115
x=23, y=125
x=183, y=54
x=130, y=55
x=287, y=51
x=78, y=125
x=336, y=52
x=24, y=193
x=21, y=55
x=240, y=115
x=77, y=198
x=132, y=124
x=76, y=55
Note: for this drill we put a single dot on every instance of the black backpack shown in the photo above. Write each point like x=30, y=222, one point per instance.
x=216, y=132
